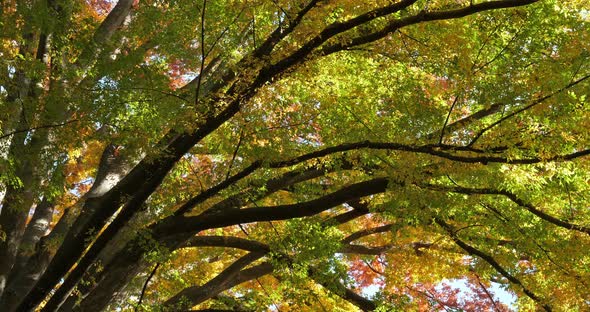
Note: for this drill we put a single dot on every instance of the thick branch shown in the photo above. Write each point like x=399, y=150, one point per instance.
x=331, y=31
x=113, y=21
x=236, y=201
x=224, y=280
x=173, y=231
x=359, y=209
x=358, y=300
x=228, y=278
x=365, y=250
x=279, y=33
x=227, y=241
x=258, y=247
x=282, y=212
x=362, y=233
x=422, y=17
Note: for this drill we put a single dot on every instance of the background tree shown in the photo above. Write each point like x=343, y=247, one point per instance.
x=309, y=155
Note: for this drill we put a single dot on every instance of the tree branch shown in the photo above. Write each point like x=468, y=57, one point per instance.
x=442, y=131
x=145, y=285
x=362, y=233
x=181, y=224
x=359, y=209
x=39, y=127
x=203, y=55
x=421, y=17
x=279, y=33
x=228, y=278
x=441, y=151
x=514, y=198
x=227, y=241
x=332, y=30
x=527, y=107
x=491, y=261
x=113, y=21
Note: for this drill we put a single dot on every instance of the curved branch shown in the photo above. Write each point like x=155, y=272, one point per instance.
x=227, y=241
x=491, y=261
x=177, y=240
x=441, y=151
x=235, y=201
x=421, y=17
x=362, y=233
x=365, y=250
x=514, y=198
x=330, y=31
x=258, y=247
x=180, y=224
x=229, y=277
x=359, y=209
x=345, y=293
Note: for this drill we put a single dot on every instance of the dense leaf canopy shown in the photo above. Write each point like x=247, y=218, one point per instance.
x=294, y=155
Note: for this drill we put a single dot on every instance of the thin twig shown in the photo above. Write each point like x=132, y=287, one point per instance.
x=534, y=103
x=267, y=294
x=203, y=55
x=413, y=38
x=224, y=31
x=39, y=127
x=442, y=131
x=138, y=88
x=491, y=261
x=233, y=158
x=495, y=57
x=372, y=268
x=483, y=45
x=487, y=292
x=254, y=29
x=282, y=9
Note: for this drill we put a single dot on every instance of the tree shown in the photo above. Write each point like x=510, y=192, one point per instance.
x=315, y=155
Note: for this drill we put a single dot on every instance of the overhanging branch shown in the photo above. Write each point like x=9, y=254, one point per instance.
x=422, y=17
x=180, y=224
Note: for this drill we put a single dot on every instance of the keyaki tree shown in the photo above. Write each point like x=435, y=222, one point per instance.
x=286, y=155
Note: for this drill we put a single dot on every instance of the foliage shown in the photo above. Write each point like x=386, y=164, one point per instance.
x=306, y=155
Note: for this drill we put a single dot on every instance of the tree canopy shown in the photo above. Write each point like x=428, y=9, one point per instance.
x=294, y=155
